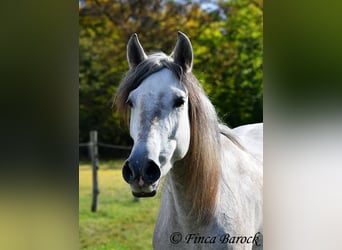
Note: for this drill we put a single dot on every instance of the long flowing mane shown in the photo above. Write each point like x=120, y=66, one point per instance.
x=203, y=157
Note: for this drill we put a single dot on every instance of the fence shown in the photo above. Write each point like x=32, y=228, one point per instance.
x=93, y=145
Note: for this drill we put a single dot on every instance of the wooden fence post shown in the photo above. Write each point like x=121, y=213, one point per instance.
x=95, y=162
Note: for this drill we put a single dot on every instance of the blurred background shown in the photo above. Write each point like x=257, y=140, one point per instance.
x=41, y=57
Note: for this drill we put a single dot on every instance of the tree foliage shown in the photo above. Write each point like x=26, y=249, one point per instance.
x=227, y=43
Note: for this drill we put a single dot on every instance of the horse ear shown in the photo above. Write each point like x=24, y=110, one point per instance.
x=182, y=53
x=135, y=52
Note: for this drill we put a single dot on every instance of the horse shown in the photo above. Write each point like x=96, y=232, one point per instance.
x=212, y=193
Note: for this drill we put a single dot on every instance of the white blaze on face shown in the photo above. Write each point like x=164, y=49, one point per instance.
x=159, y=122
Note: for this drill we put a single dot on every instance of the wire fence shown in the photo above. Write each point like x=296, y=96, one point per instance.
x=105, y=145
x=107, y=150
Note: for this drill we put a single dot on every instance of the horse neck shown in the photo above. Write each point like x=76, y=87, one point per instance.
x=177, y=200
x=175, y=195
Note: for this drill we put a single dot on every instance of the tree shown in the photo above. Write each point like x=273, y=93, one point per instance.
x=233, y=49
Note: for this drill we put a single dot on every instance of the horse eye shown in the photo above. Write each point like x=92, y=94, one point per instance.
x=179, y=101
x=129, y=102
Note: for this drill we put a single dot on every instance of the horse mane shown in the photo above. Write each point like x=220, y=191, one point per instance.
x=203, y=158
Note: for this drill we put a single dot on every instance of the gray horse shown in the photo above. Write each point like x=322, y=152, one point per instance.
x=212, y=195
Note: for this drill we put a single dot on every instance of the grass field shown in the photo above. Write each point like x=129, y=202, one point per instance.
x=119, y=223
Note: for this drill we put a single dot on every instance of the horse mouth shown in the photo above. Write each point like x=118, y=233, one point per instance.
x=145, y=190
x=144, y=194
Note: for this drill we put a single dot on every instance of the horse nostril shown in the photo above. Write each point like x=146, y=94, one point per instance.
x=127, y=173
x=152, y=172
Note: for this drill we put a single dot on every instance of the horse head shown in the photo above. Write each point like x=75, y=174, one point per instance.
x=159, y=118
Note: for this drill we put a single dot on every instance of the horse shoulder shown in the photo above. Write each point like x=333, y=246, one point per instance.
x=251, y=137
x=241, y=188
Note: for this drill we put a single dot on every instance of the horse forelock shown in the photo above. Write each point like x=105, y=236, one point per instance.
x=136, y=75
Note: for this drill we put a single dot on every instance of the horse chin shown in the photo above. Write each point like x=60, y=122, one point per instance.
x=144, y=194
x=148, y=190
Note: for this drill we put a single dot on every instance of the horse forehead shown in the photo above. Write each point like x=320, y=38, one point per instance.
x=160, y=85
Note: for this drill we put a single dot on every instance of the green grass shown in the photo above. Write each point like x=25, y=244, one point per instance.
x=119, y=223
